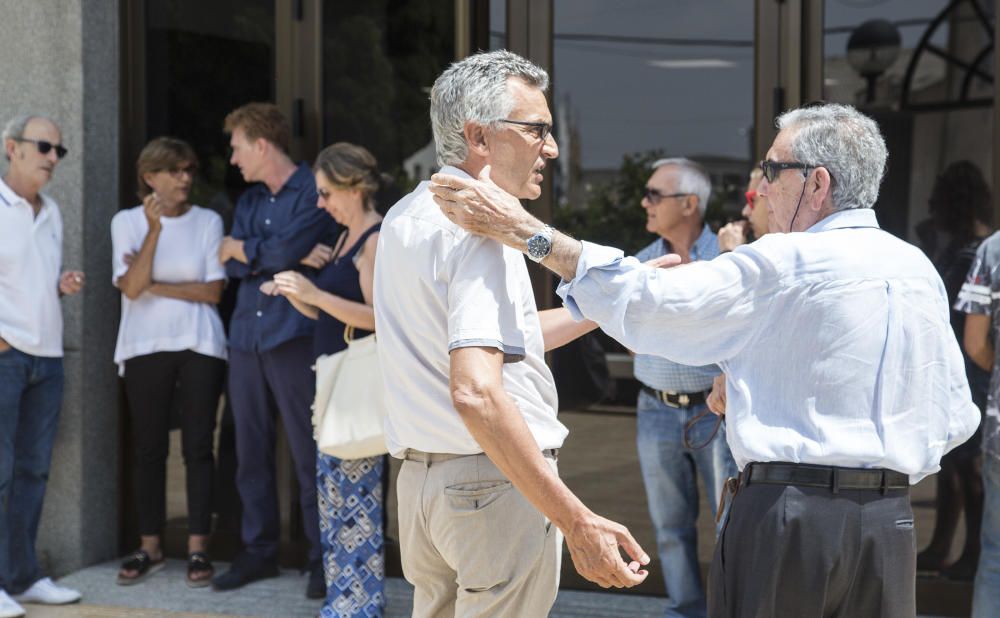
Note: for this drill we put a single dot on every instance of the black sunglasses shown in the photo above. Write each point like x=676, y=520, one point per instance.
x=44, y=147
x=771, y=169
x=655, y=196
x=540, y=130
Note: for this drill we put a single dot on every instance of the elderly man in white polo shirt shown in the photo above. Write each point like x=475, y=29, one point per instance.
x=471, y=404
x=31, y=349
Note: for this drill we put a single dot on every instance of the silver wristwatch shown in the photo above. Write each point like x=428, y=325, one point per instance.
x=540, y=244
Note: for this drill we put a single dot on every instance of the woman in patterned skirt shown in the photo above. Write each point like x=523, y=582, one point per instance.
x=350, y=492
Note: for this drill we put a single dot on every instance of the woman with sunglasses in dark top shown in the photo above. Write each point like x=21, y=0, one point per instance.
x=171, y=347
x=349, y=492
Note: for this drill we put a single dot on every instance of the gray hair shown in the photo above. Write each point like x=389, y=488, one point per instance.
x=845, y=142
x=691, y=178
x=14, y=129
x=475, y=89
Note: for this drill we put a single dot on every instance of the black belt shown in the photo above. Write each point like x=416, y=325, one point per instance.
x=827, y=477
x=677, y=400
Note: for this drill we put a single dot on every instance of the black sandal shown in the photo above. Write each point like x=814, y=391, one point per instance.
x=142, y=564
x=199, y=563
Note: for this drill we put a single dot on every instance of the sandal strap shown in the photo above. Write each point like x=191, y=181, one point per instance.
x=199, y=561
x=138, y=561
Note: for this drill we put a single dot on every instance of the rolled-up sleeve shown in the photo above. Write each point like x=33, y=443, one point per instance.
x=695, y=314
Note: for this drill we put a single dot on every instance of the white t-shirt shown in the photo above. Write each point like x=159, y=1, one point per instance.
x=438, y=288
x=187, y=251
x=30, y=260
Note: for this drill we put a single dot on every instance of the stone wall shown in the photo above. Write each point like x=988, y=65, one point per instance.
x=61, y=59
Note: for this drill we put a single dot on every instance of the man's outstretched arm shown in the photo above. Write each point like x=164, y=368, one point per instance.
x=496, y=424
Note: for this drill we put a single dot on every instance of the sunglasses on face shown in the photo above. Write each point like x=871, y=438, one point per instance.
x=540, y=130
x=751, y=196
x=771, y=169
x=655, y=196
x=44, y=147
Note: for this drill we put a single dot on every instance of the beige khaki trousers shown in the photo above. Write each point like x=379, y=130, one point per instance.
x=472, y=544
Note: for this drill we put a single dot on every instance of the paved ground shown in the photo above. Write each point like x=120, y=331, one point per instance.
x=279, y=597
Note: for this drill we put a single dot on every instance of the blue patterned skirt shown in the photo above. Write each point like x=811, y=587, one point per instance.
x=349, y=494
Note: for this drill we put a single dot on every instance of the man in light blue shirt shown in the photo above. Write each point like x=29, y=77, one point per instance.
x=845, y=381
x=676, y=435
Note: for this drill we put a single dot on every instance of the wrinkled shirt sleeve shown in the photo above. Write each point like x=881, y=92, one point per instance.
x=695, y=314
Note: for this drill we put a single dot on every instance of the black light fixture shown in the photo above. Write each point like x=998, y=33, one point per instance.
x=871, y=49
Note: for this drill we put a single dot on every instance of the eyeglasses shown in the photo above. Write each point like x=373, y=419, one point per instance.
x=655, y=196
x=540, y=130
x=771, y=169
x=189, y=170
x=44, y=147
x=751, y=196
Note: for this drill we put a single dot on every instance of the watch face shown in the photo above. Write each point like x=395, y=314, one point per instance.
x=539, y=246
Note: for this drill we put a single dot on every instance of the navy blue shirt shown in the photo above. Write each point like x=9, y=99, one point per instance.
x=277, y=232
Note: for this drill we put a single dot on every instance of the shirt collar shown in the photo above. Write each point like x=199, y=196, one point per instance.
x=9, y=198
x=852, y=217
x=7, y=195
x=705, y=246
x=454, y=171
x=300, y=177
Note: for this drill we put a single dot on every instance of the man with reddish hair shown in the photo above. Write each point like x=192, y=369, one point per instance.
x=276, y=226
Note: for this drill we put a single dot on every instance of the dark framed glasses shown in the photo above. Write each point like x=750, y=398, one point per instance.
x=540, y=130
x=655, y=196
x=44, y=147
x=751, y=196
x=771, y=169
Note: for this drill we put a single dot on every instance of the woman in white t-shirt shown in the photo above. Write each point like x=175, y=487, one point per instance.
x=171, y=346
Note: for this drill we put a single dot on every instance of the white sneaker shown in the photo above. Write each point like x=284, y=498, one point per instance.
x=9, y=607
x=47, y=592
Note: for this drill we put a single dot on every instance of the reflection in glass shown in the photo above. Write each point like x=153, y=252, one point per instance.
x=380, y=59
x=637, y=80
x=932, y=97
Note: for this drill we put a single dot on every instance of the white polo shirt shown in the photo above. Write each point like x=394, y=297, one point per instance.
x=438, y=288
x=30, y=262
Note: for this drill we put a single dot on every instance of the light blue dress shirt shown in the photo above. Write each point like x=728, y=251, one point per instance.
x=836, y=342
x=660, y=373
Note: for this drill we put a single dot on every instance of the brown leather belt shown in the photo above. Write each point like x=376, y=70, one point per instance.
x=828, y=477
x=677, y=400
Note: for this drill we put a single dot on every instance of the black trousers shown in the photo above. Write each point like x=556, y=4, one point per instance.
x=155, y=384
x=802, y=552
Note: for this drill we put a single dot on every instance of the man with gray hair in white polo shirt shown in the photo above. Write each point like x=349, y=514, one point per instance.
x=31, y=350
x=471, y=404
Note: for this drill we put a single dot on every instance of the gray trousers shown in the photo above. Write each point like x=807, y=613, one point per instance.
x=803, y=552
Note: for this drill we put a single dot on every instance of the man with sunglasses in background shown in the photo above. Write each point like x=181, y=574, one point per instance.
x=31, y=351
x=676, y=435
x=845, y=381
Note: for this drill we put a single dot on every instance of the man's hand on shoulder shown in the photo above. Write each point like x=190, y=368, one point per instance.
x=481, y=207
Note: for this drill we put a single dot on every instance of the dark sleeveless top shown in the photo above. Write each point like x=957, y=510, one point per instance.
x=339, y=277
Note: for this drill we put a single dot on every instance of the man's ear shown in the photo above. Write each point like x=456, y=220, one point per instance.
x=475, y=137
x=8, y=146
x=821, y=186
x=690, y=204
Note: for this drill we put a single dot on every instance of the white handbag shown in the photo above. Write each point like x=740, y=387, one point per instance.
x=349, y=410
